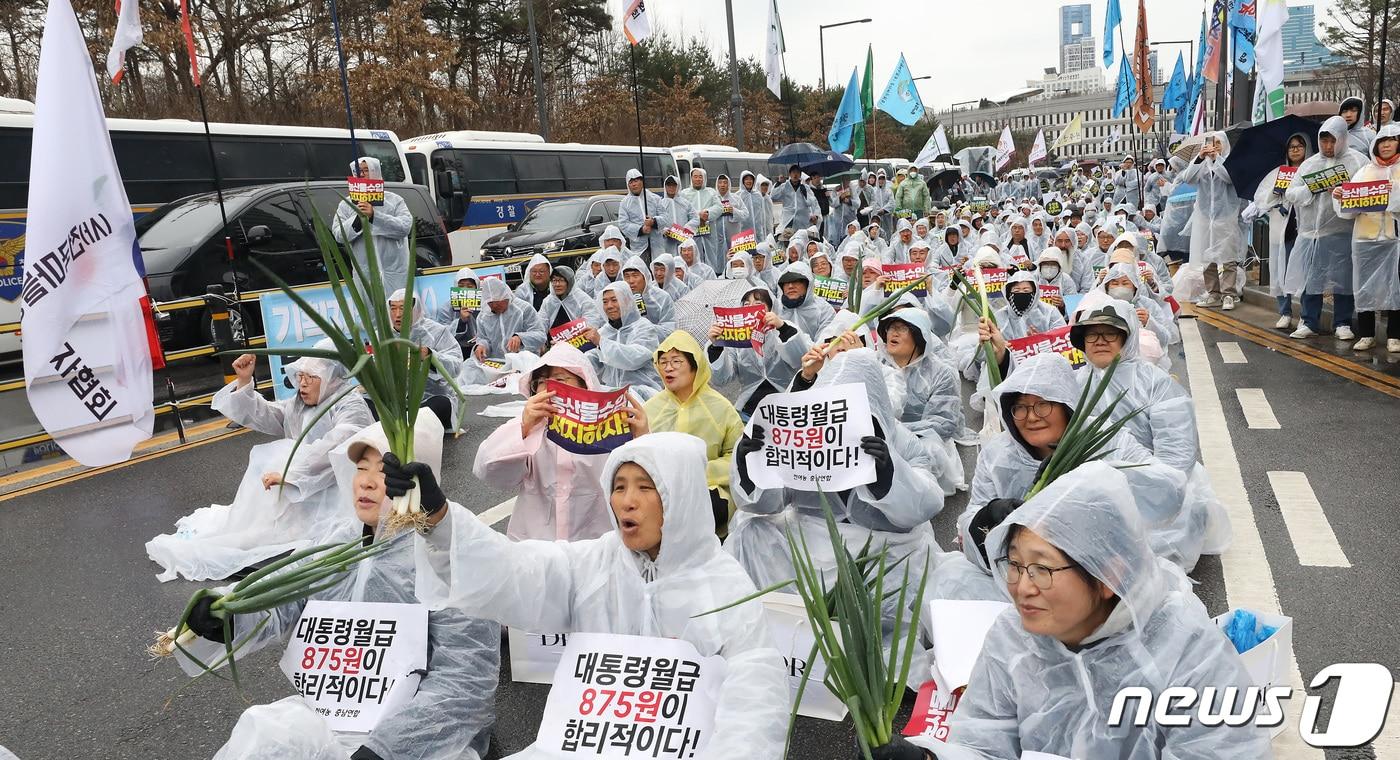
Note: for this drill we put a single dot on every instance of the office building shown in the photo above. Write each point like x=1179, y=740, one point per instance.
x=1301, y=49
x=1077, y=48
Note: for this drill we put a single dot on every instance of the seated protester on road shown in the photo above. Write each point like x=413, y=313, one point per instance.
x=687, y=404
x=894, y=509
x=940, y=308
x=535, y=287
x=1024, y=314
x=1039, y=234
x=652, y=576
x=762, y=264
x=453, y=708
x=433, y=340
x=798, y=305
x=696, y=271
x=758, y=373
x=658, y=307
x=849, y=260
x=1052, y=270
x=1091, y=262
x=625, y=344
x=663, y=271
x=558, y=493
x=820, y=263
x=271, y=513
x=565, y=303
x=1016, y=253
x=584, y=279
x=932, y=408
x=1094, y=611
x=390, y=225
x=739, y=266
x=446, y=315
x=875, y=244
x=462, y=321
x=614, y=253
x=898, y=252
x=506, y=325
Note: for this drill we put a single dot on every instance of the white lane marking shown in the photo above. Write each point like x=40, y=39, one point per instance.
x=1307, y=524
x=1257, y=411
x=498, y=513
x=1249, y=581
x=1387, y=745
x=1231, y=353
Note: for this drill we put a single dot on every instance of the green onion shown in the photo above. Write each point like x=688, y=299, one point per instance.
x=1087, y=435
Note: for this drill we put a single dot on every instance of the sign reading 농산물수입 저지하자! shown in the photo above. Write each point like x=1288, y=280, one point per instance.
x=1056, y=341
x=993, y=280
x=897, y=276
x=620, y=697
x=573, y=333
x=356, y=662
x=1365, y=197
x=740, y=326
x=366, y=190
x=831, y=289
x=588, y=422
x=1048, y=293
x=743, y=242
x=811, y=439
x=1322, y=181
x=1284, y=178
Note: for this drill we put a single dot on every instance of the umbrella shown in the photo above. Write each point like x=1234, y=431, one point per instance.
x=1259, y=149
x=695, y=310
x=812, y=159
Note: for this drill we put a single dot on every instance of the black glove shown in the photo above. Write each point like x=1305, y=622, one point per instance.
x=398, y=480
x=899, y=748
x=747, y=445
x=365, y=753
x=884, y=465
x=992, y=514
x=204, y=623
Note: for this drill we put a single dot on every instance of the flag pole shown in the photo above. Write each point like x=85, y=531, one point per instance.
x=637, y=107
x=345, y=88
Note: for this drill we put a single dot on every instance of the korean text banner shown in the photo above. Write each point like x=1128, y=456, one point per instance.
x=1284, y=178
x=1322, y=181
x=356, y=662
x=831, y=290
x=898, y=275
x=743, y=241
x=573, y=334
x=740, y=326
x=466, y=298
x=679, y=232
x=588, y=422
x=620, y=697
x=811, y=439
x=1365, y=197
x=366, y=190
x=993, y=280
x=1056, y=340
x=1049, y=293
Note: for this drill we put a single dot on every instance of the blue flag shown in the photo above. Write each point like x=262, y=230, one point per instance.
x=901, y=98
x=1112, y=18
x=1127, y=88
x=847, y=116
x=1242, y=25
x=1194, y=85
x=1175, y=95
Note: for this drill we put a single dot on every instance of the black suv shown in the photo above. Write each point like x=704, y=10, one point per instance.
x=182, y=244
x=553, y=226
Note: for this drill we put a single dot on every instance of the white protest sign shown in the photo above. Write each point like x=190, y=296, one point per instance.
x=618, y=697
x=535, y=656
x=812, y=439
x=959, y=629
x=792, y=633
x=354, y=662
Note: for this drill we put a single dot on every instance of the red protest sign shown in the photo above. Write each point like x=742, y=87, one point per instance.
x=743, y=241
x=740, y=326
x=1048, y=293
x=933, y=709
x=898, y=275
x=1365, y=197
x=364, y=189
x=679, y=232
x=588, y=422
x=1284, y=178
x=573, y=334
x=993, y=280
x=1056, y=340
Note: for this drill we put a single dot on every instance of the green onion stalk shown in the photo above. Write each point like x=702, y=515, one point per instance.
x=877, y=313
x=982, y=308
x=1088, y=434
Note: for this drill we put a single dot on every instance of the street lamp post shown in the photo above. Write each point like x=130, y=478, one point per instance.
x=821, y=42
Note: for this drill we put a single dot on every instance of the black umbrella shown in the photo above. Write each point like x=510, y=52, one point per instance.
x=1258, y=150
x=810, y=158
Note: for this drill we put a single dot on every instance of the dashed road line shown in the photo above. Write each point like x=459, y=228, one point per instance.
x=1257, y=412
x=1308, y=528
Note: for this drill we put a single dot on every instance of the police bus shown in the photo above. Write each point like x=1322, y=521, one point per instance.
x=166, y=159
x=486, y=181
x=723, y=159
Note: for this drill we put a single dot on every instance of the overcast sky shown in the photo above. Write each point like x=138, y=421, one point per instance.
x=982, y=48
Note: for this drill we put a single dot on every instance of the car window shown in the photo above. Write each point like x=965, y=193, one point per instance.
x=611, y=209
x=279, y=214
x=425, y=220
x=418, y=168
x=553, y=215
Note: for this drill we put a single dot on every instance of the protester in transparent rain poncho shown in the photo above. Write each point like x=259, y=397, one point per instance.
x=534, y=287
x=898, y=251
x=758, y=373
x=271, y=513
x=1158, y=330
x=1216, y=239
x=1320, y=262
x=452, y=707
x=1283, y=226
x=506, y=325
x=591, y=271
x=677, y=210
x=798, y=305
x=652, y=576
x=760, y=210
x=893, y=510
x=739, y=266
x=932, y=408
x=625, y=343
x=762, y=265
x=390, y=225
x=558, y=497
x=696, y=271
x=461, y=321
x=643, y=217
x=1094, y=611
x=663, y=272
x=437, y=341
x=704, y=202
x=1024, y=314
x=566, y=302
x=657, y=307
x=1375, y=249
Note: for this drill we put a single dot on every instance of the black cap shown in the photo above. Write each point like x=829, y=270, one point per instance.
x=792, y=277
x=1104, y=316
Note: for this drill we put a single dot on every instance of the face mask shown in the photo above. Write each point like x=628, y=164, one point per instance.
x=1022, y=301
x=1050, y=271
x=1122, y=292
x=737, y=274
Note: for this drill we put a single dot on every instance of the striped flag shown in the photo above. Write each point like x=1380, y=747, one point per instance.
x=635, y=23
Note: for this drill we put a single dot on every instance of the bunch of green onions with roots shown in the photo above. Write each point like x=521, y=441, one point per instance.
x=1087, y=434
x=982, y=307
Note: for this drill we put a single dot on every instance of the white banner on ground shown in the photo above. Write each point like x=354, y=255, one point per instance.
x=811, y=439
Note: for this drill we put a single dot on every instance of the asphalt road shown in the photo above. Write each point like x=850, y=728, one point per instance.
x=79, y=600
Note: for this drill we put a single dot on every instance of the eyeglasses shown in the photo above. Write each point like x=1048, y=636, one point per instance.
x=1107, y=336
x=1043, y=577
x=672, y=363
x=1042, y=410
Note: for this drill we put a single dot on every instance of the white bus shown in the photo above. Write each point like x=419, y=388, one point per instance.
x=166, y=159
x=486, y=181
x=722, y=159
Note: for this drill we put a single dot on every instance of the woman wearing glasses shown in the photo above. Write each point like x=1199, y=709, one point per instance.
x=1094, y=611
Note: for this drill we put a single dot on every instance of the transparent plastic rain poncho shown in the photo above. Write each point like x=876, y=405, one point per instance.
x=710, y=243
x=1375, y=249
x=633, y=212
x=678, y=211
x=574, y=304
x=1215, y=220
x=526, y=291
x=672, y=286
x=660, y=308
x=439, y=338
x=557, y=493
x=811, y=314
x=390, y=227
x=750, y=370
x=1040, y=317
x=760, y=209
x=1321, y=257
x=1272, y=206
x=1029, y=692
x=583, y=279
x=494, y=330
x=1062, y=278
x=600, y=586
x=706, y=414
x=452, y=713
x=900, y=519
x=726, y=226
x=215, y=541
x=1176, y=218
x=624, y=356
x=1159, y=316
x=932, y=408
x=696, y=271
